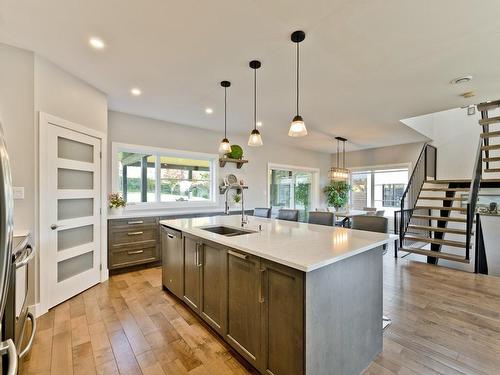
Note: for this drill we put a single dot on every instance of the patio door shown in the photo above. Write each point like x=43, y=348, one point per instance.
x=70, y=227
x=292, y=188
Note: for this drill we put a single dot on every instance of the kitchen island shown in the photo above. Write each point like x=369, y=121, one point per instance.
x=291, y=298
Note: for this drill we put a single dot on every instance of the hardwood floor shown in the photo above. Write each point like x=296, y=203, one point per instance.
x=444, y=322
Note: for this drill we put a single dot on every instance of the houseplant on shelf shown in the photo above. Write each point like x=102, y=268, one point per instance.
x=337, y=194
x=116, y=204
x=236, y=152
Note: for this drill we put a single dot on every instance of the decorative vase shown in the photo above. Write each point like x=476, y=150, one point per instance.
x=115, y=211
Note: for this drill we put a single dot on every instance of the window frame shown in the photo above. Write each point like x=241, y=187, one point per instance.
x=372, y=169
x=213, y=160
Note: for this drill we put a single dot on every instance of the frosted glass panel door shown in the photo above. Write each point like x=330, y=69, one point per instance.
x=73, y=232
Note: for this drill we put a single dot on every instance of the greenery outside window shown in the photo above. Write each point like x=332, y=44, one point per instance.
x=154, y=178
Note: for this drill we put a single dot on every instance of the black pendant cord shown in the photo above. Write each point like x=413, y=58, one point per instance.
x=255, y=99
x=225, y=115
x=343, y=155
x=298, y=78
x=338, y=150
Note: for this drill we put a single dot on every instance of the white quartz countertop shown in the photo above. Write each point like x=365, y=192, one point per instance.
x=302, y=246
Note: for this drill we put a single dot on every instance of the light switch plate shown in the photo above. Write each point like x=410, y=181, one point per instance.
x=18, y=192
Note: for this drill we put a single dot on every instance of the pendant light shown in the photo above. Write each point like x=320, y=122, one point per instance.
x=225, y=146
x=297, y=127
x=255, y=140
x=340, y=173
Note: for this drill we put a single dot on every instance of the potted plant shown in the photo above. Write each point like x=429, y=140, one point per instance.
x=116, y=203
x=337, y=194
x=236, y=152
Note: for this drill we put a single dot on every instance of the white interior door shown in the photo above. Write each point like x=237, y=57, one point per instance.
x=72, y=221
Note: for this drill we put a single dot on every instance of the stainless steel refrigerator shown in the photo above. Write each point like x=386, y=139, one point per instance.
x=7, y=348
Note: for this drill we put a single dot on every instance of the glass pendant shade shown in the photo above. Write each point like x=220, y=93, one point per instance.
x=225, y=146
x=339, y=174
x=255, y=140
x=297, y=127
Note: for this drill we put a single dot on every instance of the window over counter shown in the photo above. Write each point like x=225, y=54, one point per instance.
x=150, y=177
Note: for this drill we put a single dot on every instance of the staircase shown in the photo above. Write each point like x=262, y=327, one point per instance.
x=440, y=213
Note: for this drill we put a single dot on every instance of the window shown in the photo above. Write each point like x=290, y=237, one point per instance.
x=158, y=177
x=379, y=188
x=392, y=194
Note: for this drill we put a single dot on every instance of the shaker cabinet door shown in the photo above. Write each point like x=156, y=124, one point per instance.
x=213, y=296
x=192, y=268
x=243, y=284
x=282, y=320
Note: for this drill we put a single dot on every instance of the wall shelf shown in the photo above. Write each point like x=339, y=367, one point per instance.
x=239, y=162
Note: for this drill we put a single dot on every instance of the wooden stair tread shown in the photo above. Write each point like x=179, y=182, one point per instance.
x=493, y=159
x=494, y=180
x=486, y=106
x=458, y=181
x=490, y=134
x=436, y=241
x=437, y=229
x=492, y=170
x=435, y=254
x=442, y=198
x=490, y=147
x=441, y=208
x=446, y=189
x=427, y=217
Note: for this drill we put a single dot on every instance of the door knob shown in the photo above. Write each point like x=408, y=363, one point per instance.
x=53, y=226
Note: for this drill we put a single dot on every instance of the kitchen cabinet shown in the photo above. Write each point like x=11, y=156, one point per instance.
x=133, y=242
x=256, y=305
x=192, y=274
x=282, y=326
x=244, y=305
x=213, y=286
x=172, y=261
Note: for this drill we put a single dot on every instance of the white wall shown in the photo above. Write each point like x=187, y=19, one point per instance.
x=390, y=155
x=125, y=128
x=16, y=116
x=456, y=136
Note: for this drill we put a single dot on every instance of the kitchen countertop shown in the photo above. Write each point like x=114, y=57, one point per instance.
x=302, y=246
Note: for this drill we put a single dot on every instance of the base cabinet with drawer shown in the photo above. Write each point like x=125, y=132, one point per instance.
x=133, y=242
x=256, y=305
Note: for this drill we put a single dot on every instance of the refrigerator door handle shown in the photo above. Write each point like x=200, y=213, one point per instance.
x=9, y=348
x=32, y=337
x=27, y=258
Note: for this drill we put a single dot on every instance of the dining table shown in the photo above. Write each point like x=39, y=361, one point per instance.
x=348, y=214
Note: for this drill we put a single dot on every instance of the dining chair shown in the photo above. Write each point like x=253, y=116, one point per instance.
x=380, y=213
x=288, y=214
x=321, y=218
x=370, y=223
x=274, y=212
x=262, y=212
x=370, y=209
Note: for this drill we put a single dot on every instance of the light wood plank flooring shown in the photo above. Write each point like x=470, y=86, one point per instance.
x=444, y=322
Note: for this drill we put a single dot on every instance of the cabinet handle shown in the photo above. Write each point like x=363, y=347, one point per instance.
x=135, y=233
x=170, y=235
x=135, y=222
x=135, y=252
x=196, y=254
x=262, y=282
x=200, y=260
x=237, y=255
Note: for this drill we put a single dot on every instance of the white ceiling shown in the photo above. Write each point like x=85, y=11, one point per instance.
x=366, y=63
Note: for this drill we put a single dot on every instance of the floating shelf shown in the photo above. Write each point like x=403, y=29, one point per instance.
x=239, y=162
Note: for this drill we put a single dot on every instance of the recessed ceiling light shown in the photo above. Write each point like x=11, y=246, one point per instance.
x=209, y=111
x=259, y=123
x=97, y=43
x=135, y=91
x=463, y=79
